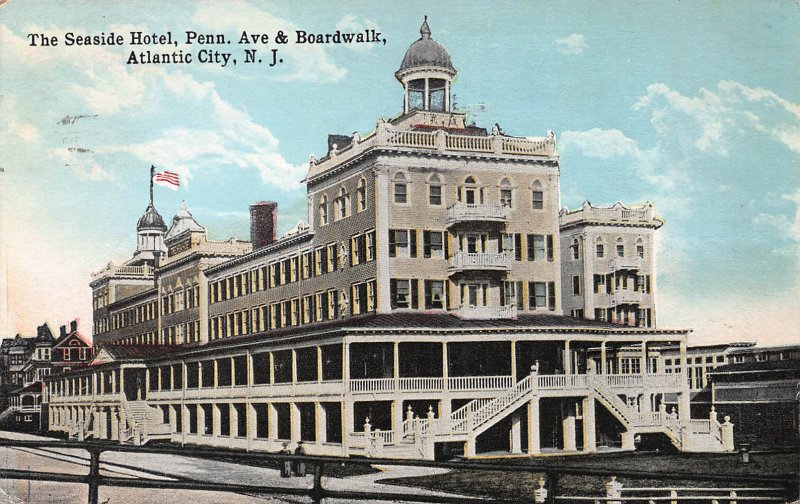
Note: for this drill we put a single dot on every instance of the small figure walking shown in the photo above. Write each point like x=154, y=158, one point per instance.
x=286, y=465
x=300, y=465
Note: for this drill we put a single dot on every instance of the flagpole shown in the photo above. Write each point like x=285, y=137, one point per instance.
x=152, y=174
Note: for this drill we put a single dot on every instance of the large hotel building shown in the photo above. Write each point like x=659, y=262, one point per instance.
x=437, y=302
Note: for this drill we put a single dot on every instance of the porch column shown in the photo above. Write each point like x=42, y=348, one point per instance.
x=294, y=417
x=643, y=361
x=272, y=422
x=534, y=444
x=216, y=420
x=347, y=421
x=173, y=419
x=96, y=423
x=346, y=365
x=202, y=421
x=516, y=433
x=233, y=421
x=321, y=421
x=271, y=369
x=567, y=359
x=396, y=365
x=319, y=364
x=683, y=397
x=294, y=366
x=115, y=423
x=589, y=436
x=603, y=359
x=397, y=418
x=251, y=421
x=513, y=361
x=568, y=424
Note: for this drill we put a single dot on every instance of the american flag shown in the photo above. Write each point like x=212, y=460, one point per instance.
x=168, y=179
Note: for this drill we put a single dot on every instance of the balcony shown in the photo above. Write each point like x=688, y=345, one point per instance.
x=626, y=263
x=463, y=212
x=481, y=261
x=472, y=312
x=622, y=297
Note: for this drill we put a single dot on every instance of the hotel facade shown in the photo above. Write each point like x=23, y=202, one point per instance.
x=420, y=312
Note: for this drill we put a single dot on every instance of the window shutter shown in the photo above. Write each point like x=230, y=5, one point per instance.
x=550, y=248
x=392, y=244
x=393, y=292
x=517, y=246
x=426, y=244
x=551, y=295
x=446, y=243
x=519, y=294
x=412, y=237
x=414, y=293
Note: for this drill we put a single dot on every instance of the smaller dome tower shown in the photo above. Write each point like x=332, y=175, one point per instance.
x=426, y=73
x=150, y=231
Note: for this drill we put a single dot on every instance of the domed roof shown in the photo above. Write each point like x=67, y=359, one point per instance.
x=183, y=221
x=151, y=220
x=426, y=52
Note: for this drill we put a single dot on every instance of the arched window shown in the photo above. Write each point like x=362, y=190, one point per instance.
x=323, y=211
x=640, y=248
x=620, y=248
x=342, y=204
x=505, y=193
x=576, y=249
x=400, y=188
x=435, y=190
x=470, y=193
x=599, y=248
x=537, y=196
x=361, y=192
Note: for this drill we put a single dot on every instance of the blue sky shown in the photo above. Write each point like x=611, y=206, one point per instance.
x=693, y=105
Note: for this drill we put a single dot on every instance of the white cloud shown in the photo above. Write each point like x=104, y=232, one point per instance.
x=26, y=132
x=350, y=24
x=572, y=44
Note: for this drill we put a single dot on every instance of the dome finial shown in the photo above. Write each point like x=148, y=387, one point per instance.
x=425, y=30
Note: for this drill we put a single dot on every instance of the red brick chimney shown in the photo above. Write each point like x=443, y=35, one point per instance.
x=263, y=222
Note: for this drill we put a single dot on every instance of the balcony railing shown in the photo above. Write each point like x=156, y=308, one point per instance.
x=626, y=263
x=626, y=297
x=463, y=212
x=487, y=312
x=144, y=271
x=462, y=261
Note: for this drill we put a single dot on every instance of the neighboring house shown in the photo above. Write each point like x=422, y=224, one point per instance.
x=758, y=389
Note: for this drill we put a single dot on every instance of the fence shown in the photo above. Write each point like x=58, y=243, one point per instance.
x=545, y=493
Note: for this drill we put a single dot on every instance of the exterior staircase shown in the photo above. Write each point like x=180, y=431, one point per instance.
x=7, y=413
x=144, y=423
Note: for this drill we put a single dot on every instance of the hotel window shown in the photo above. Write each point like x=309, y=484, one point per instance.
x=599, y=249
x=505, y=193
x=599, y=314
x=402, y=243
x=319, y=261
x=333, y=304
x=308, y=309
x=536, y=248
x=511, y=294
x=576, y=249
x=435, y=297
x=738, y=359
x=576, y=285
x=434, y=191
x=286, y=270
x=761, y=357
x=537, y=196
x=358, y=249
x=404, y=293
x=293, y=268
x=308, y=260
x=434, y=244
x=620, y=248
x=542, y=295
x=342, y=204
x=323, y=211
x=333, y=253
x=400, y=189
x=295, y=307
x=361, y=194
x=599, y=283
x=321, y=306
x=371, y=245
x=640, y=248
x=470, y=193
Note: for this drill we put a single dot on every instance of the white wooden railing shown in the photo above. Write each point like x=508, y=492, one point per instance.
x=371, y=385
x=471, y=212
x=461, y=383
x=472, y=312
x=421, y=384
